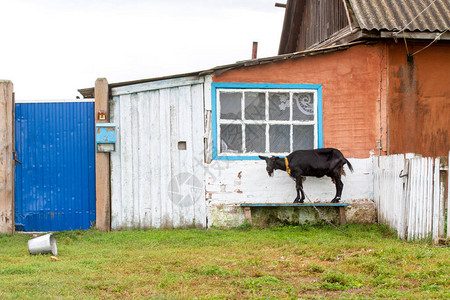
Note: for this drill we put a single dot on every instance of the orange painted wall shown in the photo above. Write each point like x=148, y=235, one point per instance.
x=352, y=89
x=419, y=99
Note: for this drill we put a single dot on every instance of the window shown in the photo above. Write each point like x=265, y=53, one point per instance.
x=253, y=119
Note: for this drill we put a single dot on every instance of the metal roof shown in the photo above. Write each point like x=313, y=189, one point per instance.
x=89, y=92
x=416, y=15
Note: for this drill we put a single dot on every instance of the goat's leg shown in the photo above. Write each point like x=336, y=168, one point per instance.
x=299, y=187
x=339, y=186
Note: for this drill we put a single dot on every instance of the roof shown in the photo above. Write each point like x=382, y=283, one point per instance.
x=396, y=15
x=367, y=19
x=89, y=92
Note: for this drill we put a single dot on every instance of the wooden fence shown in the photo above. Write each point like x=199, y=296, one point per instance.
x=411, y=196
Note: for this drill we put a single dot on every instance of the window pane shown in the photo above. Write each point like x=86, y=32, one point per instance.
x=279, y=138
x=230, y=138
x=230, y=106
x=255, y=138
x=303, y=137
x=279, y=106
x=303, y=106
x=255, y=106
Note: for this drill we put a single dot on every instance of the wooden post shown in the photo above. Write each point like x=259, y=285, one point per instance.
x=448, y=196
x=342, y=217
x=248, y=215
x=6, y=157
x=102, y=169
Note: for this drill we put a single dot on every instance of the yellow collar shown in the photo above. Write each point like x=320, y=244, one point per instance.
x=288, y=170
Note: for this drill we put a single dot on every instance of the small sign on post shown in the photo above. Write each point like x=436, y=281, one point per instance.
x=105, y=137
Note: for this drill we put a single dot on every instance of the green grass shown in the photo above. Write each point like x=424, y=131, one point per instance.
x=311, y=262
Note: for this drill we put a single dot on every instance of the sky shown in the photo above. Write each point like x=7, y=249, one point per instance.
x=49, y=49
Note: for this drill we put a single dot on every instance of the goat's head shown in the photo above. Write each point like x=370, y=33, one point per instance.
x=270, y=163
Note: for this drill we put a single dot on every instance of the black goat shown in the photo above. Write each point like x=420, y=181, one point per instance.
x=318, y=163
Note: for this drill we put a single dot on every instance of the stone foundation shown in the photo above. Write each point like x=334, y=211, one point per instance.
x=228, y=216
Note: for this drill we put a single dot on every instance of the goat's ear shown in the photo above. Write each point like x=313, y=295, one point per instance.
x=263, y=157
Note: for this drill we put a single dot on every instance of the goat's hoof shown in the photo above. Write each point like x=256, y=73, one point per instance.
x=336, y=200
x=297, y=201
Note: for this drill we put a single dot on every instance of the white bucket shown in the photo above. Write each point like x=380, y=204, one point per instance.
x=43, y=244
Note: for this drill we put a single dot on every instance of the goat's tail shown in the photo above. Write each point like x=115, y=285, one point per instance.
x=349, y=165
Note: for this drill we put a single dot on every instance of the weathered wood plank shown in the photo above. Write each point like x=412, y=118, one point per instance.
x=417, y=196
x=6, y=157
x=186, y=210
x=116, y=178
x=429, y=191
x=207, y=93
x=144, y=158
x=405, y=200
x=165, y=158
x=448, y=196
x=436, y=203
x=398, y=191
x=442, y=196
x=126, y=161
x=135, y=131
x=178, y=188
x=198, y=154
x=422, y=199
x=155, y=157
x=411, y=210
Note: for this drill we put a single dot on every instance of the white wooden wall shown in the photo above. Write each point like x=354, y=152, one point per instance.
x=409, y=195
x=154, y=184
x=230, y=183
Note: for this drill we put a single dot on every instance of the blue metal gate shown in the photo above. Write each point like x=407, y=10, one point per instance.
x=55, y=179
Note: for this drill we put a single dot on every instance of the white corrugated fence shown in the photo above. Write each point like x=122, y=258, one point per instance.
x=409, y=193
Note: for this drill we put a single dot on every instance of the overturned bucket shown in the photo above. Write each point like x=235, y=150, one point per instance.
x=43, y=244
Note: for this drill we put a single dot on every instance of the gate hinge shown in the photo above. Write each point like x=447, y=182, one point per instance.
x=16, y=161
x=402, y=175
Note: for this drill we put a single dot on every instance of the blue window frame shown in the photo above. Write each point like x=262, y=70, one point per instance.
x=250, y=119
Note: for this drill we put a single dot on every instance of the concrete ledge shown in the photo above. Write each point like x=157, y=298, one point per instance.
x=270, y=214
x=294, y=204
